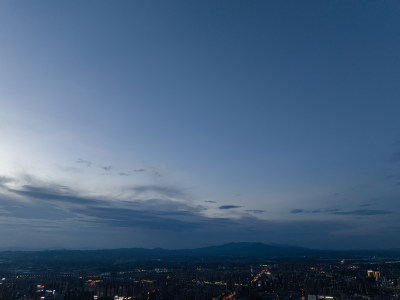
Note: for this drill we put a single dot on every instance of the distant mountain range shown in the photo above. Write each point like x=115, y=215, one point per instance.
x=231, y=250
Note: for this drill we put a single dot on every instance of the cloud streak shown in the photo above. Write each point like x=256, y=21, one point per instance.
x=167, y=191
x=363, y=212
x=338, y=211
x=51, y=194
x=255, y=211
x=85, y=162
x=225, y=207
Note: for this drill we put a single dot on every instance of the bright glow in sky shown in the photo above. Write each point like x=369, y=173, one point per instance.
x=183, y=124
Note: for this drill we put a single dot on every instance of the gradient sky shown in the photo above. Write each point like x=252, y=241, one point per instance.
x=193, y=123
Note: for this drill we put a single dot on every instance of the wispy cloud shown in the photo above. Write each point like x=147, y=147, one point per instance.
x=255, y=211
x=393, y=176
x=228, y=206
x=144, y=217
x=332, y=210
x=4, y=180
x=339, y=211
x=363, y=212
x=54, y=193
x=107, y=168
x=85, y=162
x=297, y=211
x=168, y=191
x=371, y=202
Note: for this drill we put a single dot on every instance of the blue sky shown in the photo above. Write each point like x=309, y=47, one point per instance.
x=192, y=123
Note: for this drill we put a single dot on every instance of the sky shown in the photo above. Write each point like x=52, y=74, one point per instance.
x=182, y=124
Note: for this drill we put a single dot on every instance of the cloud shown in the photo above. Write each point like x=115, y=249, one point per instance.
x=54, y=193
x=57, y=202
x=107, y=168
x=85, y=162
x=255, y=211
x=153, y=215
x=394, y=177
x=333, y=210
x=339, y=211
x=210, y=201
x=139, y=170
x=228, y=206
x=363, y=212
x=304, y=211
x=4, y=180
x=124, y=174
x=369, y=203
x=143, y=217
x=168, y=191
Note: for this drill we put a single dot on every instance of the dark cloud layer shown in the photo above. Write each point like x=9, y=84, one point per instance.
x=156, y=215
x=140, y=218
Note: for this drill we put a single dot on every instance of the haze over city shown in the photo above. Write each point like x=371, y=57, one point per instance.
x=181, y=124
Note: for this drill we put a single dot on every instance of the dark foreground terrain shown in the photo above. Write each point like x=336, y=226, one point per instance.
x=231, y=271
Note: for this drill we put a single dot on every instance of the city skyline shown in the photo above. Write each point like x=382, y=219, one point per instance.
x=186, y=124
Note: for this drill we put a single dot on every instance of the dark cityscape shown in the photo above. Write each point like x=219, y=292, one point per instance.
x=198, y=274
